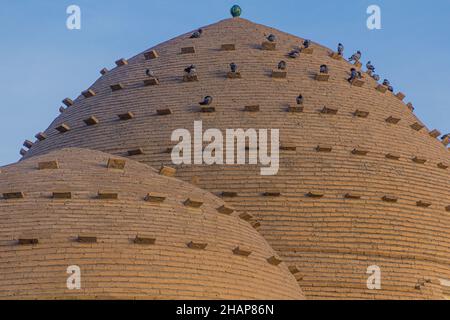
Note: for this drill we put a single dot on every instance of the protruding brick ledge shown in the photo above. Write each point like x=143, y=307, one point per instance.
x=393, y=156
x=381, y=88
x=27, y=241
x=313, y=194
x=106, y=195
x=135, y=152
x=68, y=102
x=13, y=195
x=251, y=108
x=89, y=93
x=269, y=46
x=322, y=77
x=48, y=165
x=274, y=260
x=423, y=204
x=389, y=198
x=324, y=148
x=327, y=110
x=361, y=114
x=193, y=203
x=225, y=210
x=117, y=87
x=126, y=116
x=121, y=62
x=167, y=171
x=62, y=195
x=242, y=251
x=63, y=128
x=114, y=163
x=197, y=245
x=41, y=136
x=86, y=239
x=28, y=144
x=91, y=121
x=151, y=55
x=393, y=120
x=155, y=197
x=228, y=47
x=141, y=240
x=164, y=112
x=188, y=50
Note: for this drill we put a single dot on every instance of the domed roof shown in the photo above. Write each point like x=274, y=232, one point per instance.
x=134, y=234
x=361, y=181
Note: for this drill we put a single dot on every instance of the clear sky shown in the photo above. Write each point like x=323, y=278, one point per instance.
x=43, y=62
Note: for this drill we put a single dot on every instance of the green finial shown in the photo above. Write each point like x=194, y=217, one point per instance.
x=236, y=11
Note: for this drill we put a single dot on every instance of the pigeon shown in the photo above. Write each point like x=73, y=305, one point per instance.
x=391, y=88
x=233, y=67
x=150, y=73
x=191, y=69
x=323, y=68
x=370, y=67
x=282, y=65
x=306, y=43
x=353, y=75
x=376, y=77
x=445, y=136
x=272, y=38
x=356, y=56
x=294, y=54
x=197, y=34
x=386, y=82
x=206, y=101
x=340, y=49
x=300, y=99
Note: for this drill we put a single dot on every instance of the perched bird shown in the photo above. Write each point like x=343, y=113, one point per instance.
x=353, y=75
x=306, y=43
x=445, y=136
x=191, y=70
x=391, y=88
x=376, y=77
x=356, y=56
x=197, y=34
x=272, y=38
x=233, y=67
x=370, y=67
x=386, y=82
x=206, y=101
x=300, y=99
x=150, y=73
x=323, y=68
x=282, y=65
x=294, y=54
x=340, y=49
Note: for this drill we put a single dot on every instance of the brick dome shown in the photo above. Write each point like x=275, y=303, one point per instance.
x=361, y=182
x=135, y=234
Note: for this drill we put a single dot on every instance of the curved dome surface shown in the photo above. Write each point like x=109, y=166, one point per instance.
x=70, y=208
x=360, y=185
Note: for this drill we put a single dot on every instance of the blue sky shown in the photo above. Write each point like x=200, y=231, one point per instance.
x=43, y=62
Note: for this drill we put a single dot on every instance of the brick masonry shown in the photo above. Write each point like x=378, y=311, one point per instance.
x=331, y=239
x=99, y=236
